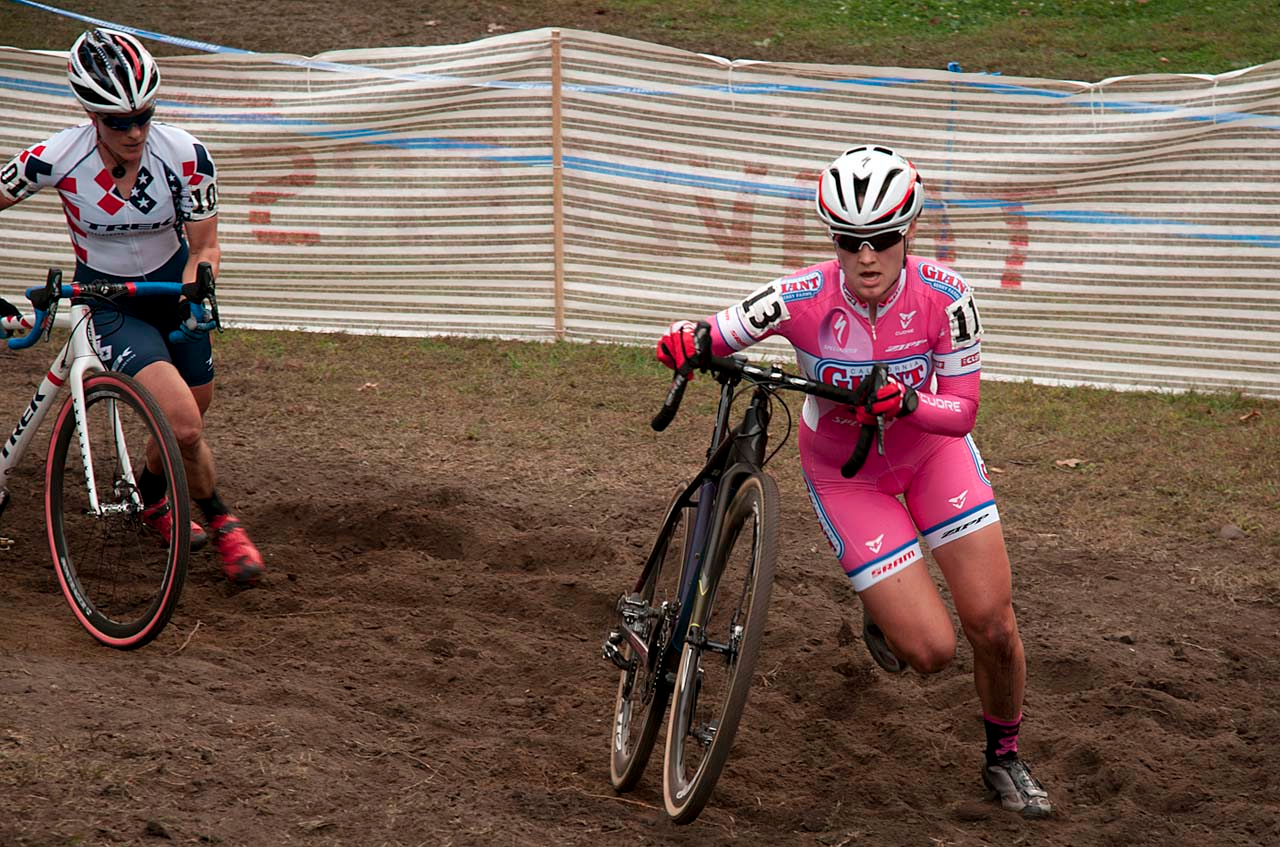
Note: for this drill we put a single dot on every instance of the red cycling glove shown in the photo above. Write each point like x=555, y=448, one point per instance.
x=893, y=400
x=677, y=346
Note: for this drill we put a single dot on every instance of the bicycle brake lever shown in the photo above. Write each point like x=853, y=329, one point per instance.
x=213, y=312
x=52, y=296
x=203, y=290
x=48, y=320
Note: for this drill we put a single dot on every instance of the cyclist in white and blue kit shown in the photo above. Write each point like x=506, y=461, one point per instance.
x=141, y=203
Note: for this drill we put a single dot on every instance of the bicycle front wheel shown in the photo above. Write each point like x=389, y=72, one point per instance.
x=644, y=688
x=122, y=579
x=719, y=653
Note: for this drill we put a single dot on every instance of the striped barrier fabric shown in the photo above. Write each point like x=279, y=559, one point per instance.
x=552, y=183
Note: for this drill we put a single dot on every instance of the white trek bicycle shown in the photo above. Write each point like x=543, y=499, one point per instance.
x=121, y=579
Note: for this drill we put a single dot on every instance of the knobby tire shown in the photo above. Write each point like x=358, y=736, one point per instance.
x=121, y=580
x=711, y=687
x=643, y=692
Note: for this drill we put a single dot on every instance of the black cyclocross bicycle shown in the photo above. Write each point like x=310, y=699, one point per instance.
x=690, y=631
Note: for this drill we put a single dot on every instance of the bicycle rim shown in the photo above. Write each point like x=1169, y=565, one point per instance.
x=643, y=692
x=121, y=579
x=719, y=655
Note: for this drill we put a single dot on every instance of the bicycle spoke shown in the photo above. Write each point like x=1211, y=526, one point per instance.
x=121, y=579
x=643, y=687
x=719, y=654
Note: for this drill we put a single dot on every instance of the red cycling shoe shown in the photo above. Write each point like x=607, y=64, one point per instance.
x=241, y=561
x=159, y=519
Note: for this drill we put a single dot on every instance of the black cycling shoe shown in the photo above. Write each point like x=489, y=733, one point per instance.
x=879, y=647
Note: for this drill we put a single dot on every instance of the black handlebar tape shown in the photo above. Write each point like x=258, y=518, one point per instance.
x=671, y=405
x=866, y=393
x=834, y=393
x=860, y=452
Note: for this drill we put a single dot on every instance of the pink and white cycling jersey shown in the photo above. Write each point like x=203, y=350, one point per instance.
x=110, y=233
x=928, y=332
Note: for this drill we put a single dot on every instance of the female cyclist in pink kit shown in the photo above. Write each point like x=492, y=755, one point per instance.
x=875, y=303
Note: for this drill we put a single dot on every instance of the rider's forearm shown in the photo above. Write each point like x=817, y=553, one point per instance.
x=952, y=411
x=210, y=253
x=202, y=240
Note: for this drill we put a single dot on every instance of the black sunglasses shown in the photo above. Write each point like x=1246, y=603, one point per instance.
x=878, y=242
x=124, y=123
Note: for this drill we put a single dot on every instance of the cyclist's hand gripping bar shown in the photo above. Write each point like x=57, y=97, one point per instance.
x=865, y=394
x=202, y=289
x=45, y=302
x=201, y=315
x=702, y=344
x=11, y=320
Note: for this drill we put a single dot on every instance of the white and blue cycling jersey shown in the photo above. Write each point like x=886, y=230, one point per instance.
x=112, y=234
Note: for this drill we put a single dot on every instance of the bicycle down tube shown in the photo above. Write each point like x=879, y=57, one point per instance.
x=706, y=486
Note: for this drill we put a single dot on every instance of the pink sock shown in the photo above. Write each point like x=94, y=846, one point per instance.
x=1002, y=736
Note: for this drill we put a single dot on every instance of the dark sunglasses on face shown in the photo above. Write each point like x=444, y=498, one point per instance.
x=124, y=123
x=878, y=242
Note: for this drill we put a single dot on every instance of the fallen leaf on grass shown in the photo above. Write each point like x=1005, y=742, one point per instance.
x=1252, y=413
x=994, y=469
x=367, y=386
x=1069, y=463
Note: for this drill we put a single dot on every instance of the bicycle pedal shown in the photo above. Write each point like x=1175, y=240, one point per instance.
x=610, y=651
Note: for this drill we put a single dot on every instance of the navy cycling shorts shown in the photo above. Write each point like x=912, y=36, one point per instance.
x=128, y=344
x=135, y=332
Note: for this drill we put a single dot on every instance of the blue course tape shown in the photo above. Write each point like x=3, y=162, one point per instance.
x=662, y=175
x=203, y=46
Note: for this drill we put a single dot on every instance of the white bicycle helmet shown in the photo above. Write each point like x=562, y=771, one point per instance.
x=112, y=72
x=868, y=190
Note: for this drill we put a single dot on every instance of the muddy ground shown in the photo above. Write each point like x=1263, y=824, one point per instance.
x=447, y=525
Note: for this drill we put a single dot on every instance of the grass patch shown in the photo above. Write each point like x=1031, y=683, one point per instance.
x=1085, y=39
x=1074, y=39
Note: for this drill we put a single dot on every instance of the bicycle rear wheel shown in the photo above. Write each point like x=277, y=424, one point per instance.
x=643, y=690
x=719, y=653
x=121, y=579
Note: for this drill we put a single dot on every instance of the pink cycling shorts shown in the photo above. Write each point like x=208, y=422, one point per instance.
x=942, y=481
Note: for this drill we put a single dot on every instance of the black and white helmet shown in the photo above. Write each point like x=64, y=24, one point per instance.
x=112, y=72
x=869, y=190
